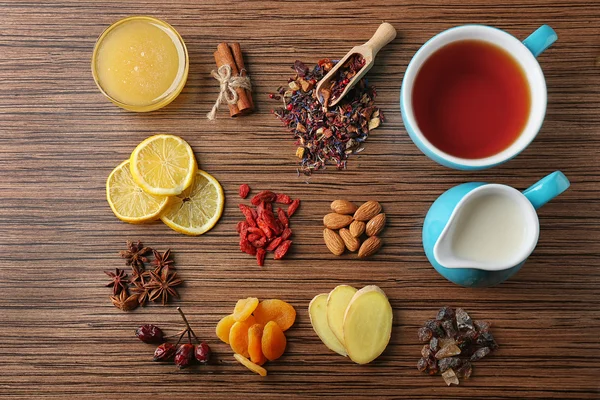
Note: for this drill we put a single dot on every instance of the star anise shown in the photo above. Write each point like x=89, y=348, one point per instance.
x=125, y=302
x=162, y=285
x=134, y=255
x=162, y=261
x=139, y=288
x=118, y=282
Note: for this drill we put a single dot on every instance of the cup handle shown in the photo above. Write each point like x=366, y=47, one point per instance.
x=547, y=188
x=540, y=40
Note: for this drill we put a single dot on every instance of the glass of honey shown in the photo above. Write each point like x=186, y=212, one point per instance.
x=140, y=63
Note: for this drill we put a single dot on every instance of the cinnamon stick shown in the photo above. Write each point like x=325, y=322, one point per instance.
x=239, y=61
x=224, y=56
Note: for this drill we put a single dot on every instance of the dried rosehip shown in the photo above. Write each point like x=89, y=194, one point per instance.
x=164, y=352
x=424, y=334
x=184, y=355
x=149, y=334
x=244, y=191
x=202, y=353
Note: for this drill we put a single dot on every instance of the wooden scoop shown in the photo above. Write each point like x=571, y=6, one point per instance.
x=384, y=34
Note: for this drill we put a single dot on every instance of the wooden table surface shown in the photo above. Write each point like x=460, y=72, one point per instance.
x=60, y=337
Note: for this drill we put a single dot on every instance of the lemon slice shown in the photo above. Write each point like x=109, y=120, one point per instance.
x=128, y=201
x=163, y=165
x=198, y=208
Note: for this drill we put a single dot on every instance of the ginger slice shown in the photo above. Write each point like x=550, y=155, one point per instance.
x=367, y=324
x=238, y=336
x=337, y=303
x=250, y=365
x=224, y=327
x=317, y=310
x=273, y=341
x=275, y=310
x=244, y=308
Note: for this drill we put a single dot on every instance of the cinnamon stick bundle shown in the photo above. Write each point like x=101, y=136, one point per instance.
x=233, y=57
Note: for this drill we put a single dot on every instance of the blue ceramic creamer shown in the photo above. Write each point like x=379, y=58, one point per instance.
x=456, y=211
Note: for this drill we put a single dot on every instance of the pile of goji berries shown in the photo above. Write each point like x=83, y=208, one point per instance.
x=264, y=229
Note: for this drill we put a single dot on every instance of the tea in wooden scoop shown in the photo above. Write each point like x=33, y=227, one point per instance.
x=352, y=67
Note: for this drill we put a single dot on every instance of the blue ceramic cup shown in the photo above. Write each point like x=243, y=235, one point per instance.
x=524, y=53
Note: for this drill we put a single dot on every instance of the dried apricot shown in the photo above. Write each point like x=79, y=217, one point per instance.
x=275, y=310
x=244, y=308
x=250, y=365
x=255, y=334
x=273, y=341
x=224, y=326
x=238, y=336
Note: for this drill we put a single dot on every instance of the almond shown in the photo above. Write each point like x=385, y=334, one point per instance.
x=357, y=228
x=333, y=241
x=350, y=241
x=367, y=211
x=336, y=221
x=376, y=225
x=369, y=247
x=343, y=207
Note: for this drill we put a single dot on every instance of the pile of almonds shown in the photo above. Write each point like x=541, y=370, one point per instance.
x=347, y=224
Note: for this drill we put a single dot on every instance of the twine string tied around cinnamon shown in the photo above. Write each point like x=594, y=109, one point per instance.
x=228, y=84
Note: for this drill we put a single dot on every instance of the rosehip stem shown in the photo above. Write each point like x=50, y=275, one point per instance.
x=189, y=328
x=181, y=337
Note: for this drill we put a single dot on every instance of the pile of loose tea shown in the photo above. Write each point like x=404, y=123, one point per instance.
x=455, y=342
x=326, y=136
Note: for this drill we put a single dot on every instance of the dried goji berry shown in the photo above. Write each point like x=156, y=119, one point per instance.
x=260, y=242
x=260, y=257
x=275, y=243
x=293, y=207
x=283, y=218
x=264, y=196
x=247, y=247
x=287, y=233
x=253, y=236
x=241, y=226
x=265, y=228
x=257, y=231
x=283, y=199
x=282, y=249
x=247, y=211
x=244, y=191
x=269, y=218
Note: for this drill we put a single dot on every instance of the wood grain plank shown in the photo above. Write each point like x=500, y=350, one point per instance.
x=59, y=139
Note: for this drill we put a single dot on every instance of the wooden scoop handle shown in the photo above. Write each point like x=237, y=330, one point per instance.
x=384, y=34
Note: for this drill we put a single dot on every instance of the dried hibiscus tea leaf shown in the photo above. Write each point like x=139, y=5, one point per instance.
x=463, y=320
x=465, y=370
x=482, y=326
x=435, y=327
x=426, y=351
x=487, y=340
x=422, y=365
x=424, y=334
x=244, y=191
x=449, y=328
x=449, y=362
x=434, y=344
x=480, y=353
x=450, y=377
x=445, y=313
